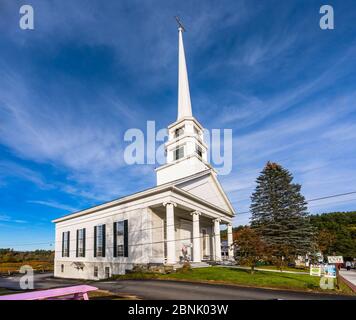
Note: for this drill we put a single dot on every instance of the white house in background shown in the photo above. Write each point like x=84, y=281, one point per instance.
x=181, y=216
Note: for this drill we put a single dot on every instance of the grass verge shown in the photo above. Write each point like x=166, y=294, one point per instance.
x=284, y=268
x=12, y=267
x=108, y=295
x=4, y=291
x=261, y=279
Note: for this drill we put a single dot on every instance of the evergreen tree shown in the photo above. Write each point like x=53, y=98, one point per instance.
x=279, y=213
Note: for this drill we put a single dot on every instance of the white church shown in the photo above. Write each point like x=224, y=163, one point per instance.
x=175, y=221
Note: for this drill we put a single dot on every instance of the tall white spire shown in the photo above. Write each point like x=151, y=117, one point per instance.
x=186, y=152
x=184, y=104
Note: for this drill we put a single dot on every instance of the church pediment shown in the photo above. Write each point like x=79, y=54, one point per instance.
x=207, y=187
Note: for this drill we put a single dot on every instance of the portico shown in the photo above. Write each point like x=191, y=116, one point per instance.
x=186, y=228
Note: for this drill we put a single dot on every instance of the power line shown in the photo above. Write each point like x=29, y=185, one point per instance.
x=26, y=244
x=162, y=227
x=107, y=234
x=332, y=196
x=318, y=199
x=334, y=202
x=131, y=231
x=148, y=243
x=99, y=218
x=164, y=241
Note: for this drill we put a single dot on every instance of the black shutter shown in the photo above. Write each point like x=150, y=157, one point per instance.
x=68, y=246
x=77, y=245
x=95, y=241
x=126, y=244
x=104, y=240
x=84, y=242
x=115, y=239
x=62, y=244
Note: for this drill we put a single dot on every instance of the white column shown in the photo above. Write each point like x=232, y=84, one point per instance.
x=146, y=235
x=230, y=241
x=196, y=237
x=217, y=242
x=170, y=232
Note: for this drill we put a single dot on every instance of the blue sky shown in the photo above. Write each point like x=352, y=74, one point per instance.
x=92, y=69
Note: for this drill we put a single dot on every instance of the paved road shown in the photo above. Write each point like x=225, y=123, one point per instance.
x=41, y=281
x=162, y=290
x=174, y=290
x=350, y=276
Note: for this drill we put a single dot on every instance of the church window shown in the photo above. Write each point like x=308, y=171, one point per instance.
x=198, y=150
x=99, y=241
x=107, y=272
x=121, y=238
x=197, y=134
x=178, y=132
x=65, y=244
x=179, y=153
x=80, y=251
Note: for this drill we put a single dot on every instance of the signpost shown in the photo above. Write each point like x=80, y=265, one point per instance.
x=315, y=270
x=335, y=259
x=330, y=271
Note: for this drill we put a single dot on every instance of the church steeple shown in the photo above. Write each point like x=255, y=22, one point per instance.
x=184, y=104
x=186, y=151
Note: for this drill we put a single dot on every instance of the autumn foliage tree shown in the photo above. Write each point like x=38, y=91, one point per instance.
x=325, y=240
x=250, y=247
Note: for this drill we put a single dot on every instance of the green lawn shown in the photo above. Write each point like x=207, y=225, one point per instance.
x=107, y=295
x=4, y=291
x=243, y=277
x=284, y=268
x=235, y=276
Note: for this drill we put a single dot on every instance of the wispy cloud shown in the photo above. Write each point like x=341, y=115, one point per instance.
x=54, y=204
x=89, y=147
x=254, y=109
x=11, y=169
x=6, y=218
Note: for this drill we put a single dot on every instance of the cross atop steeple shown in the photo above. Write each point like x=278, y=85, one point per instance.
x=180, y=25
x=184, y=103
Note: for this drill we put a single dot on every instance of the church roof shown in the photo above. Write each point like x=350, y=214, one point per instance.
x=147, y=192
